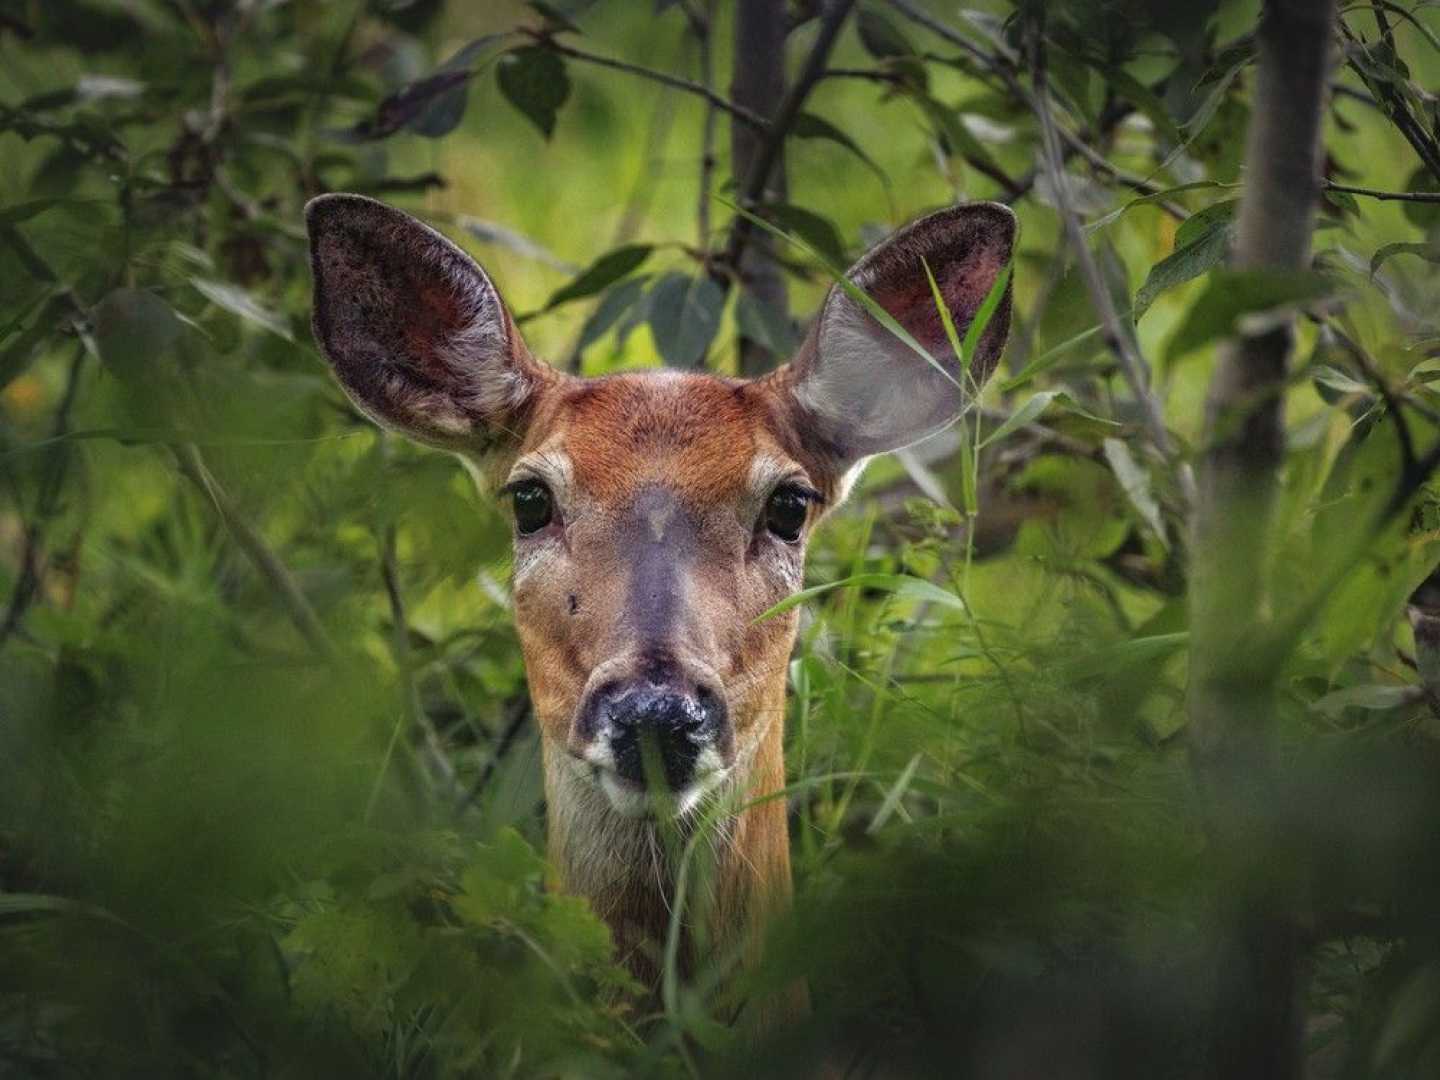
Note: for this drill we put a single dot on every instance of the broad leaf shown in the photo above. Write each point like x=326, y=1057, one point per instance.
x=817, y=231
x=1236, y=293
x=533, y=79
x=684, y=317
x=613, y=305
x=810, y=126
x=1208, y=247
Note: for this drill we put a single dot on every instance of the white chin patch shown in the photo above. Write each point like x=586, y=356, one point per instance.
x=627, y=800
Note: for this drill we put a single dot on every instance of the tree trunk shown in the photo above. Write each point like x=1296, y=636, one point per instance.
x=758, y=83
x=1258, y=1021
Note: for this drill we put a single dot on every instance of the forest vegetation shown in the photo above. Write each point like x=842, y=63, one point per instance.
x=1113, y=737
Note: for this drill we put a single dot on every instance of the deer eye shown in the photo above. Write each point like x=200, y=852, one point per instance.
x=534, y=507
x=786, y=511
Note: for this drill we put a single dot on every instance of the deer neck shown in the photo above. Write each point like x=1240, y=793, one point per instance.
x=627, y=867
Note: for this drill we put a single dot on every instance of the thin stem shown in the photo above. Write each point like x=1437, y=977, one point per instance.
x=1386, y=196
x=675, y=82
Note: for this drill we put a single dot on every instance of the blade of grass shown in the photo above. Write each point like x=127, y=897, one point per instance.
x=859, y=295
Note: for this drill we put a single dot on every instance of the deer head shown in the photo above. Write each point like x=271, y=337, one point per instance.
x=657, y=513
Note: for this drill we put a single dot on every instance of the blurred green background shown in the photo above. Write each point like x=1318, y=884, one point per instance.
x=269, y=789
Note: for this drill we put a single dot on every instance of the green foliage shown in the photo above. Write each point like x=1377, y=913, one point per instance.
x=269, y=793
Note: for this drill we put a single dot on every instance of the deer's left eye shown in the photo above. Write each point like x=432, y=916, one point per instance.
x=786, y=511
x=534, y=507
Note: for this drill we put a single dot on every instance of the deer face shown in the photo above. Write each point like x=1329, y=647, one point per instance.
x=657, y=514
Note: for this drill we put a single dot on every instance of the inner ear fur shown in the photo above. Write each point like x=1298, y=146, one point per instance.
x=861, y=390
x=415, y=331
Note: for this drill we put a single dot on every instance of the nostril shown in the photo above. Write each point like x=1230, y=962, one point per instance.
x=711, y=705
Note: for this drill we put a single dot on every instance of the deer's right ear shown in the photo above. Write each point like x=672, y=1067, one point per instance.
x=417, y=334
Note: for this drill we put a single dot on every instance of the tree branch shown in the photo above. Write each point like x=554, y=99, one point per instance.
x=752, y=186
x=1258, y=1008
x=1387, y=196
x=675, y=82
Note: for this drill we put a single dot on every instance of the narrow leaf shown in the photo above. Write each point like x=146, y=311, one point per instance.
x=1135, y=482
x=602, y=273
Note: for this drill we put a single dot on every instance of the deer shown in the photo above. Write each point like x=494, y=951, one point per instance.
x=657, y=515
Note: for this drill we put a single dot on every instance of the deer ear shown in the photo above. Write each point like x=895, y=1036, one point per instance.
x=860, y=389
x=417, y=334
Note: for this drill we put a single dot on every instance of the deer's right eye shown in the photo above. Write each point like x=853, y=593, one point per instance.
x=534, y=507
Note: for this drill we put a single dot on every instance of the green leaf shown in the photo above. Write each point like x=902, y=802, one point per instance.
x=1208, y=247
x=810, y=126
x=1135, y=481
x=1031, y=410
x=1424, y=215
x=1204, y=222
x=1233, y=294
x=1137, y=651
x=133, y=329
x=901, y=585
x=684, y=317
x=614, y=304
x=894, y=795
x=761, y=321
x=1154, y=197
x=601, y=274
x=881, y=38
x=819, y=232
x=533, y=79
x=18, y=352
x=960, y=142
x=1428, y=251
x=983, y=314
x=1227, y=69
x=239, y=302
x=1376, y=698
x=962, y=356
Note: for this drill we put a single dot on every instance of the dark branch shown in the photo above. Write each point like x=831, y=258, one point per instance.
x=675, y=82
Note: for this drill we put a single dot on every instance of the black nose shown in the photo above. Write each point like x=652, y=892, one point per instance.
x=670, y=724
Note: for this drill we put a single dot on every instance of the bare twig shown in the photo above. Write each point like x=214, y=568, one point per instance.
x=1118, y=337
x=1386, y=196
x=675, y=82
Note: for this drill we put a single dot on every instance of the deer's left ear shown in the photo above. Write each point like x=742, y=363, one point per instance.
x=859, y=388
